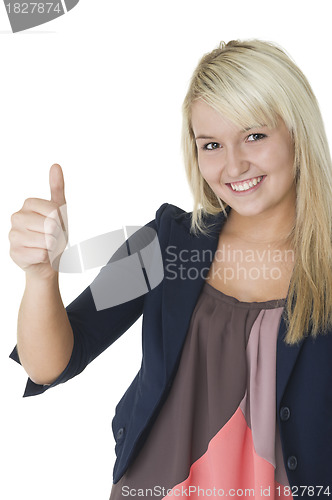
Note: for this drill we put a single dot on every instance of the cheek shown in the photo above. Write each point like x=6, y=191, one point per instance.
x=279, y=159
x=284, y=156
x=208, y=168
x=202, y=167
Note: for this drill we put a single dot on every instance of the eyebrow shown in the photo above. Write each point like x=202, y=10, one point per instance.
x=241, y=131
x=254, y=126
x=204, y=137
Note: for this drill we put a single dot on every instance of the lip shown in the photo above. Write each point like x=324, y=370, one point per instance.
x=243, y=193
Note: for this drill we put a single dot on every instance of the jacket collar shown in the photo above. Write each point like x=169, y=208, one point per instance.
x=212, y=220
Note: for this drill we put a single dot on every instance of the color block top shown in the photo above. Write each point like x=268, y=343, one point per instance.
x=217, y=432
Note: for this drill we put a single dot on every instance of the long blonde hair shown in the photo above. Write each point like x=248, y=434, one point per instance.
x=256, y=81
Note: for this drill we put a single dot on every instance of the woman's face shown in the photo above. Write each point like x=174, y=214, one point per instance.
x=228, y=155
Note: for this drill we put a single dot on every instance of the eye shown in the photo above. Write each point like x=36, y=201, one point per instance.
x=211, y=146
x=255, y=137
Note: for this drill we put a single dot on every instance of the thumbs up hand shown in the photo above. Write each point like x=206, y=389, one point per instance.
x=39, y=232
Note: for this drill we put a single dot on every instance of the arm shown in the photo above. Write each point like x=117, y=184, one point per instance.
x=44, y=335
x=92, y=331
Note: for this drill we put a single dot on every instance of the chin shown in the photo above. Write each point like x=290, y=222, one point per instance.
x=248, y=211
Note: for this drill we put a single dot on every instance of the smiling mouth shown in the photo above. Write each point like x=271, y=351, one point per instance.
x=245, y=185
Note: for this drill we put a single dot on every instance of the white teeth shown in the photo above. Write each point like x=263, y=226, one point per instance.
x=246, y=185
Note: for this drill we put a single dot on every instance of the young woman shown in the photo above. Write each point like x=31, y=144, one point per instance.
x=234, y=396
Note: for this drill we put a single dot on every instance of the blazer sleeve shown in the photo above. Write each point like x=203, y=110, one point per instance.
x=94, y=330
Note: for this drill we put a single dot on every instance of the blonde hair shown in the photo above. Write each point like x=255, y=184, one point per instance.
x=255, y=81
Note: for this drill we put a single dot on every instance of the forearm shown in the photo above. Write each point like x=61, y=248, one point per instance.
x=44, y=335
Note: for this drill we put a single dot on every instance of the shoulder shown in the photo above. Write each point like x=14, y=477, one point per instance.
x=167, y=212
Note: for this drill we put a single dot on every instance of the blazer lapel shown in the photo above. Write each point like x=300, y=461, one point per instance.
x=187, y=260
x=286, y=358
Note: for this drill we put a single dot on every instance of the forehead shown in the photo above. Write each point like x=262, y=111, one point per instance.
x=242, y=112
x=206, y=120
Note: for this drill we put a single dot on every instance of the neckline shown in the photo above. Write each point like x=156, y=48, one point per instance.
x=267, y=304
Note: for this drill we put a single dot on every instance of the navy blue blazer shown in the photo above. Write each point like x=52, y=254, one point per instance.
x=303, y=371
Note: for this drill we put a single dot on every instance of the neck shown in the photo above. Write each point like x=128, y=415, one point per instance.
x=272, y=227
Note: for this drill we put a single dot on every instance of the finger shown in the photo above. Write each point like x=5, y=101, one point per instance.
x=33, y=221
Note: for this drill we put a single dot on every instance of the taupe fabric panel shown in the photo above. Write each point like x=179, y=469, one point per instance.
x=259, y=403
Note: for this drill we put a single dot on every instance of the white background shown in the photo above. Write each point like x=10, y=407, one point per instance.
x=99, y=91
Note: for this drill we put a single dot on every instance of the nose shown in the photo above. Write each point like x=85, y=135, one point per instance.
x=235, y=163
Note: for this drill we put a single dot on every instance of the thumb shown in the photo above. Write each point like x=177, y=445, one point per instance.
x=57, y=185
